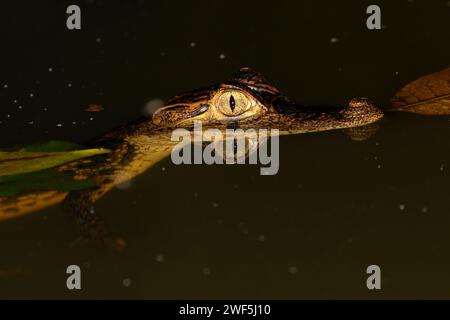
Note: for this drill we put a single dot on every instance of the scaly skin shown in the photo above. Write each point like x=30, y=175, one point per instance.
x=137, y=147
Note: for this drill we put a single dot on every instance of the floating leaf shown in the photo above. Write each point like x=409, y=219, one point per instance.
x=43, y=180
x=94, y=108
x=11, y=207
x=39, y=157
x=429, y=95
x=52, y=145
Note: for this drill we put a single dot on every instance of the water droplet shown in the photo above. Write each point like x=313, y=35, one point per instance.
x=151, y=106
x=125, y=185
x=5, y=86
x=126, y=282
x=292, y=270
x=206, y=271
x=334, y=40
x=50, y=69
x=402, y=207
x=222, y=56
x=59, y=125
x=192, y=44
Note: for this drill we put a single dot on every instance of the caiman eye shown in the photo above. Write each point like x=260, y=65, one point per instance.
x=233, y=103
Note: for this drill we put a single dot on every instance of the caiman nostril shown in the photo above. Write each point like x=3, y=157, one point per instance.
x=359, y=102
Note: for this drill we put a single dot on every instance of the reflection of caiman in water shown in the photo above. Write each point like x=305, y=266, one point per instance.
x=247, y=100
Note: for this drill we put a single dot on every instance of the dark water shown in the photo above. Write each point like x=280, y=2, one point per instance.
x=336, y=205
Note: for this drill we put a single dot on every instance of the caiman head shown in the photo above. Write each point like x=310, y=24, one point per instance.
x=248, y=100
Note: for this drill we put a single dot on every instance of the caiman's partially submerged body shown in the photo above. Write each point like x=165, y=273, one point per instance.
x=247, y=100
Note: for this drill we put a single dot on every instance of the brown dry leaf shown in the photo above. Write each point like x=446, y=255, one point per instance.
x=94, y=108
x=429, y=95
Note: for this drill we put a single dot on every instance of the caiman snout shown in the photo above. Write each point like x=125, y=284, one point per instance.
x=361, y=111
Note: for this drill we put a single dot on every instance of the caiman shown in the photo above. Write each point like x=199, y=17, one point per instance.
x=246, y=100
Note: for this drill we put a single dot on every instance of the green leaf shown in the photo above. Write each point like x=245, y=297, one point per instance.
x=53, y=145
x=40, y=181
x=42, y=156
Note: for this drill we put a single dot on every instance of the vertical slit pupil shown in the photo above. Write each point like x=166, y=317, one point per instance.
x=232, y=103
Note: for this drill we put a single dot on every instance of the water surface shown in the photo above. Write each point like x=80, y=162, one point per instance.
x=336, y=205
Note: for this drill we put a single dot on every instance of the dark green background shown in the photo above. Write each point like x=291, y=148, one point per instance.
x=332, y=210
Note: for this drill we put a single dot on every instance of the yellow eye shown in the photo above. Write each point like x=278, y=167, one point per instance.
x=233, y=103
